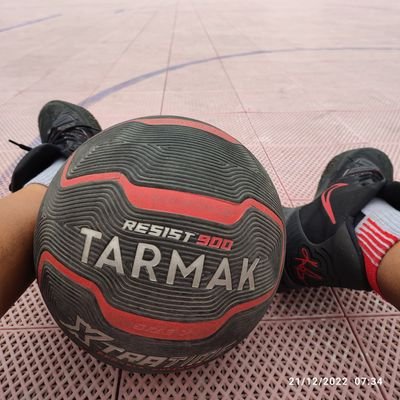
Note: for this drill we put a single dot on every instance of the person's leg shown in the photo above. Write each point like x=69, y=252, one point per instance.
x=18, y=213
x=389, y=276
x=322, y=245
x=63, y=128
x=348, y=236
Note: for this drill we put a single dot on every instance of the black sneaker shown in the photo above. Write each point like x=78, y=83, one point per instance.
x=322, y=249
x=63, y=128
x=66, y=125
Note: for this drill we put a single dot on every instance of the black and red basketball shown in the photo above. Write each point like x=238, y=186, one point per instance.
x=160, y=244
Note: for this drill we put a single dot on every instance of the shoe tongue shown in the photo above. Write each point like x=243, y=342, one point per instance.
x=362, y=175
x=391, y=194
x=365, y=169
x=67, y=130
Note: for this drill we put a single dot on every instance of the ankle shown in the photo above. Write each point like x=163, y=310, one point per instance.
x=378, y=235
x=389, y=276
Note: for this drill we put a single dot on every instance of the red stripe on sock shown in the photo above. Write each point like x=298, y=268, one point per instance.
x=372, y=242
x=385, y=233
x=373, y=238
x=366, y=250
x=370, y=246
x=372, y=273
x=381, y=237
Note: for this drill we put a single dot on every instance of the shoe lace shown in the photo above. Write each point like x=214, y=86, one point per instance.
x=59, y=135
x=20, y=145
x=67, y=135
x=365, y=172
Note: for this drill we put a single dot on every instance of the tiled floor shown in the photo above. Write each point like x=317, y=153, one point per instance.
x=297, y=82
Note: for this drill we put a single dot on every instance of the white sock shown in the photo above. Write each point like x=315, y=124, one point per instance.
x=46, y=176
x=377, y=233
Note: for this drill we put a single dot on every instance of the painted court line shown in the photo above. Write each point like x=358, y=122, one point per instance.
x=30, y=22
x=95, y=98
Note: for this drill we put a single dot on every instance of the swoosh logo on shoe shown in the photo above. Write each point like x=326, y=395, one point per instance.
x=326, y=200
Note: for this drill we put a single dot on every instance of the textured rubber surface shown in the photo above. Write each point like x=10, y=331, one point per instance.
x=45, y=364
x=357, y=303
x=284, y=354
x=381, y=333
x=182, y=158
x=147, y=313
x=28, y=312
x=305, y=303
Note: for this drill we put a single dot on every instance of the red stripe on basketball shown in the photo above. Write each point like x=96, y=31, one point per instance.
x=175, y=202
x=189, y=123
x=145, y=326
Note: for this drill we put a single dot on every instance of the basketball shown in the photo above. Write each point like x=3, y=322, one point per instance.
x=160, y=244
